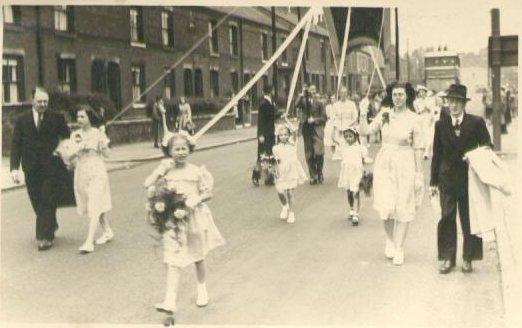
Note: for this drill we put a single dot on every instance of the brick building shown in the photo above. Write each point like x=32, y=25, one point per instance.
x=121, y=50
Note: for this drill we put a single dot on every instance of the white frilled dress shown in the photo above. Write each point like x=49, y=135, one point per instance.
x=290, y=171
x=345, y=116
x=91, y=181
x=352, y=168
x=202, y=233
x=394, y=166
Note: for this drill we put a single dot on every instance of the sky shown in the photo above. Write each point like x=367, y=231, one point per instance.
x=464, y=26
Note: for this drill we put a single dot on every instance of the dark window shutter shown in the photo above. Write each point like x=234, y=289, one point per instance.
x=114, y=84
x=187, y=79
x=21, y=79
x=140, y=24
x=172, y=82
x=60, y=71
x=17, y=14
x=97, y=76
x=170, y=28
x=73, y=76
x=70, y=19
x=198, y=82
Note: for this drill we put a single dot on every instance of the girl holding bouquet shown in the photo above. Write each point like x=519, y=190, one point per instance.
x=188, y=228
x=352, y=170
x=290, y=173
x=91, y=181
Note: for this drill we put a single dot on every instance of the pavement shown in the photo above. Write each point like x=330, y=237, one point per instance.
x=127, y=156
x=318, y=271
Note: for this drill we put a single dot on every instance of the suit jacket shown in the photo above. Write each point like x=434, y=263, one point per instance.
x=312, y=108
x=34, y=148
x=266, y=118
x=448, y=169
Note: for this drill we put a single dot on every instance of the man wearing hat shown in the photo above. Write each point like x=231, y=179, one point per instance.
x=455, y=134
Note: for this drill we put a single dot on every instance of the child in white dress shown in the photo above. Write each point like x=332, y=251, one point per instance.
x=195, y=184
x=352, y=170
x=290, y=173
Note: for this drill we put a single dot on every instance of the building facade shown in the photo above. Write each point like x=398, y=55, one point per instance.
x=121, y=51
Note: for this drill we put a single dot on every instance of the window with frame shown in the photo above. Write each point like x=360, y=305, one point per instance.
x=214, y=43
x=234, y=41
x=67, y=75
x=138, y=83
x=136, y=24
x=264, y=46
x=11, y=14
x=214, y=83
x=167, y=28
x=198, y=83
x=63, y=18
x=169, y=83
x=187, y=80
x=12, y=79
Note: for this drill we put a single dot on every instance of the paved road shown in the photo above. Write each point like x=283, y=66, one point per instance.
x=320, y=270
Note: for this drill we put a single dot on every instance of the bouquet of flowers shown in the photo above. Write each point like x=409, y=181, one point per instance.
x=166, y=210
x=67, y=150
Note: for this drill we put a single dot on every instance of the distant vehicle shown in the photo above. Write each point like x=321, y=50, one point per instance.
x=442, y=68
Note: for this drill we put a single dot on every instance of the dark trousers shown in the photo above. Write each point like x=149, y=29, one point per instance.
x=315, y=166
x=41, y=187
x=156, y=131
x=447, y=229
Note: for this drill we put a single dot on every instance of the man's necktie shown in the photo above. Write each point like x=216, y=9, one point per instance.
x=456, y=127
x=39, y=121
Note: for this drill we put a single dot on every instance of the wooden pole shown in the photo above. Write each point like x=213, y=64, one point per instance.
x=397, y=57
x=495, y=80
x=274, y=47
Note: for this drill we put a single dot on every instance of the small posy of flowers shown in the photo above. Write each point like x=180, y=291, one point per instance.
x=166, y=210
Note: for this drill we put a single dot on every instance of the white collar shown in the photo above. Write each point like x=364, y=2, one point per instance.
x=35, y=116
x=459, y=118
x=268, y=98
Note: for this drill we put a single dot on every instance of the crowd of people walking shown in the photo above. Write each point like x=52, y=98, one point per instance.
x=410, y=126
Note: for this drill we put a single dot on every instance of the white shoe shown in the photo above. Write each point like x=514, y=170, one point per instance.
x=398, y=259
x=389, y=250
x=164, y=307
x=105, y=238
x=291, y=217
x=86, y=248
x=202, y=298
x=284, y=212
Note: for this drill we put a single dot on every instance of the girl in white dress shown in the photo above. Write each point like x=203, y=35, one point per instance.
x=195, y=184
x=290, y=173
x=345, y=116
x=397, y=174
x=352, y=170
x=91, y=181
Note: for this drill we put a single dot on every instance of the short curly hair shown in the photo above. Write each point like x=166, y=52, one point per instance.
x=95, y=118
x=408, y=88
x=176, y=136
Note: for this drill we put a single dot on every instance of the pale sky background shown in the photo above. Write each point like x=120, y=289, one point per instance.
x=463, y=25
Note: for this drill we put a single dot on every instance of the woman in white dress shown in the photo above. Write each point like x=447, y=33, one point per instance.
x=398, y=174
x=329, y=126
x=91, y=181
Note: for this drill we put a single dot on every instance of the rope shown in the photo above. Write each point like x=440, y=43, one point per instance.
x=343, y=53
x=297, y=67
x=376, y=65
x=194, y=47
x=257, y=76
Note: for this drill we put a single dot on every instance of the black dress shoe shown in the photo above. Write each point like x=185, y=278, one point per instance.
x=467, y=267
x=445, y=267
x=44, y=245
x=313, y=181
x=320, y=179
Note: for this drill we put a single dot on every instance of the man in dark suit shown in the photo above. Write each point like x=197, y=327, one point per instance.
x=455, y=134
x=266, y=118
x=312, y=121
x=35, y=137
